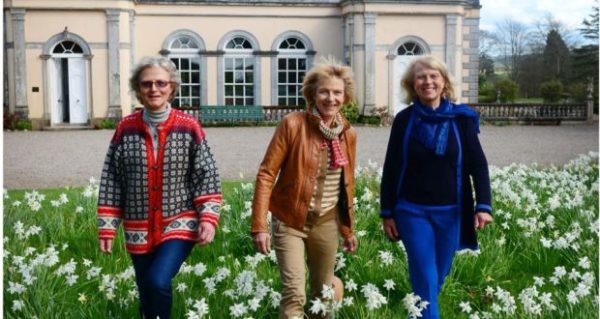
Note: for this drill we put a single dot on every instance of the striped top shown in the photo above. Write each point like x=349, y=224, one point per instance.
x=327, y=188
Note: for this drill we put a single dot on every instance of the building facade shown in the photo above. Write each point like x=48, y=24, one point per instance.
x=67, y=62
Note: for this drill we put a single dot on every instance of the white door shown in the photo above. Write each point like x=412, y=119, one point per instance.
x=57, y=92
x=77, y=91
x=401, y=63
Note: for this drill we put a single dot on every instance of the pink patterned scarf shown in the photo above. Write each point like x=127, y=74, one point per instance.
x=332, y=141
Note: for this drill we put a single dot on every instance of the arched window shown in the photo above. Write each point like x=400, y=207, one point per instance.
x=183, y=51
x=67, y=47
x=291, y=69
x=410, y=48
x=239, y=72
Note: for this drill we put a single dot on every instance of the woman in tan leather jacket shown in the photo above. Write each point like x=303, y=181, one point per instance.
x=306, y=181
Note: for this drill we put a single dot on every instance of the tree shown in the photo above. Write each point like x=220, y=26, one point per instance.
x=557, y=62
x=512, y=41
x=585, y=58
x=530, y=75
x=590, y=26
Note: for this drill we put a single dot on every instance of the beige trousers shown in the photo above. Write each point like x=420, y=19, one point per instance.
x=320, y=241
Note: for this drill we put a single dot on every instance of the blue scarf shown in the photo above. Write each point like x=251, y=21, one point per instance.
x=432, y=126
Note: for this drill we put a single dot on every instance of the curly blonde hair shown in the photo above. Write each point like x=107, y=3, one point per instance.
x=326, y=69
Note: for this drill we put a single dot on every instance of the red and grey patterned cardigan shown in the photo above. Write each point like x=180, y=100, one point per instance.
x=163, y=198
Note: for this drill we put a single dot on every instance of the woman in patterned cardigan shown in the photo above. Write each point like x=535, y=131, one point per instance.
x=160, y=181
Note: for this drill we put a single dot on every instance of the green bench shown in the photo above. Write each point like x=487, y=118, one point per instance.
x=231, y=113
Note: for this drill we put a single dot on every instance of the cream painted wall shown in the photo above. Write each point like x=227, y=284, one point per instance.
x=99, y=92
x=42, y=25
x=34, y=78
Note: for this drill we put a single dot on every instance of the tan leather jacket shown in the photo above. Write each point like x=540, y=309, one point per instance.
x=291, y=164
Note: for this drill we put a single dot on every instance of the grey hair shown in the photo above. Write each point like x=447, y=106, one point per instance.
x=155, y=61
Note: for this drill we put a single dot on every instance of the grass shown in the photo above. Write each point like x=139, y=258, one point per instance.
x=545, y=219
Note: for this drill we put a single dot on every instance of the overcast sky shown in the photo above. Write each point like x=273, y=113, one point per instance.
x=570, y=12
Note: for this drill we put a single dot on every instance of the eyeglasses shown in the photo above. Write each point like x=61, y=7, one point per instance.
x=159, y=84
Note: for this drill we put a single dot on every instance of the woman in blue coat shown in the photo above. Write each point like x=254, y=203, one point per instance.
x=426, y=191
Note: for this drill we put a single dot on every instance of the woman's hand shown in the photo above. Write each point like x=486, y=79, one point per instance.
x=106, y=245
x=389, y=227
x=350, y=244
x=262, y=242
x=482, y=219
x=206, y=233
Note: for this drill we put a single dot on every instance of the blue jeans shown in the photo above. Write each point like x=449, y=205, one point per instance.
x=431, y=236
x=153, y=274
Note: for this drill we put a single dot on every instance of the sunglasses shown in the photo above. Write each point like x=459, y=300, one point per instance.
x=159, y=84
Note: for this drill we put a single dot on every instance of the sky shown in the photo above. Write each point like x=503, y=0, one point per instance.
x=570, y=12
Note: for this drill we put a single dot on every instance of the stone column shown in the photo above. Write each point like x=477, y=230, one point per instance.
x=370, y=51
x=20, y=67
x=132, y=52
x=451, y=21
x=351, y=39
x=470, y=53
x=114, y=75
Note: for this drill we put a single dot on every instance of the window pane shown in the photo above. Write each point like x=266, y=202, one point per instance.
x=302, y=64
x=228, y=64
x=249, y=101
x=292, y=64
x=281, y=90
x=195, y=77
x=195, y=90
x=249, y=63
x=195, y=65
x=281, y=101
x=281, y=77
x=239, y=101
x=229, y=77
x=292, y=78
x=229, y=90
x=185, y=64
x=249, y=90
x=185, y=90
x=185, y=77
x=282, y=64
x=239, y=64
x=229, y=101
x=239, y=77
x=249, y=77
x=292, y=90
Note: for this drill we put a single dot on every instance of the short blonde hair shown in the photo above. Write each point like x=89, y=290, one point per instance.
x=155, y=61
x=430, y=62
x=326, y=69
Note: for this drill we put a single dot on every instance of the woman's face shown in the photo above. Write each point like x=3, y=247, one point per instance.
x=329, y=98
x=155, y=88
x=429, y=85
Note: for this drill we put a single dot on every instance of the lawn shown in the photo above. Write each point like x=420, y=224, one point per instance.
x=538, y=260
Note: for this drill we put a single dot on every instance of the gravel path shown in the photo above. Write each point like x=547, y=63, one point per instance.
x=47, y=159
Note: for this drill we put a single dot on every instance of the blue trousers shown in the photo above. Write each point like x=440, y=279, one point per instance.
x=431, y=236
x=153, y=274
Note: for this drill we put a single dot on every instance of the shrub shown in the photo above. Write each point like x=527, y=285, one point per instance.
x=578, y=92
x=551, y=91
x=508, y=90
x=13, y=121
x=487, y=93
x=107, y=124
x=350, y=111
x=369, y=119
